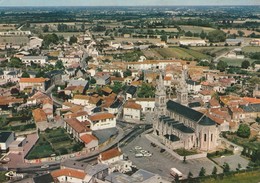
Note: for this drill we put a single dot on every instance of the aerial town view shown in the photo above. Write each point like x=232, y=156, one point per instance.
x=111, y=91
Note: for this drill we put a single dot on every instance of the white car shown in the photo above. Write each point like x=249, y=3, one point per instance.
x=139, y=155
x=45, y=166
x=143, y=151
x=147, y=154
x=138, y=147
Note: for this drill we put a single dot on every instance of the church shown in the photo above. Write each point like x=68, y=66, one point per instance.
x=179, y=126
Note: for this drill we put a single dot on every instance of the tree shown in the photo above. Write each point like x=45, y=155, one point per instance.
x=93, y=81
x=188, y=34
x=203, y=35
x=164, y=38
x=59, y=65
x=214, y=171
x=50, y=38
x=15, y=62
x=239, y=166
x=190, y=175
x=116, y=74
x=146, y=91
x=240, y=33
x=245, y=64
x=216, y=36
x=127, y=73
x=202, y=172
x=73, y=40
x=243, y=131
x=222, y=65
x=45, y=28
x=226, y=168
x=25, y=75
x=117, y=87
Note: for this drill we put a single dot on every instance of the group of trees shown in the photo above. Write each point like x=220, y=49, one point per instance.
x=216, y=36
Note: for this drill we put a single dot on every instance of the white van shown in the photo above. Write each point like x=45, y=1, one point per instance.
x=139, y=155
x=174, y=171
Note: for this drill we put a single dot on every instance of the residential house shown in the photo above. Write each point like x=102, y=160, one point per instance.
x=76, y=128
x=110, y=156
x=147, y=104
x=35, y=42
x=103, y=79
x=41, y=60
x=100, y=121
x=193, y=86
x=37, y=83
x=132, y=111
x=40, y=119
x=206, y=95
x=90, y=141
x=130, y=92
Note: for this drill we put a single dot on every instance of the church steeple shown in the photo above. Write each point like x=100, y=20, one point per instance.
x=182, y=90
x=160, y=97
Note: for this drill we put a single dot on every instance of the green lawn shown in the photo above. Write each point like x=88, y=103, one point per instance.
x=184, y=152
x=250, y=49
x=249, y=177
x=2, y=176
x=52, y=142
x=181, y=53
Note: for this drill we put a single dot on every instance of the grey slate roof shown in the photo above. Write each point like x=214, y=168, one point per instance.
x=172, y=137
x=4, y=136
x=74, y=165
x=189, y=113
x=43, y=179
x=131, y=90
x=251, y=108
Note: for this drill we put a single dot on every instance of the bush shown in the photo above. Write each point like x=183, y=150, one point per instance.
x=243, y=131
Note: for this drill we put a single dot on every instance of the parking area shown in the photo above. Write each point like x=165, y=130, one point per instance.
x=233, y=161
x=161, y=162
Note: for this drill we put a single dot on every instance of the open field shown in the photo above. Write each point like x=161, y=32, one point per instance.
x=247, y=177
x=196, y=29
x=65, y=34
x=52, y=142
x=250, y=49
x=212, y=50
x=180, y=53
x=234, y=31
x=235, y=62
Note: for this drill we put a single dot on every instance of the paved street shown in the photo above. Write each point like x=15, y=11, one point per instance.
x=160, y=163
x=233, y=161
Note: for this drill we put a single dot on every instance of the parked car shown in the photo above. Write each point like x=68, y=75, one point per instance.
x=45, y=166
x=139, y=155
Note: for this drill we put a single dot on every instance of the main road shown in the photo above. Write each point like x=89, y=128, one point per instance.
x=120, y=142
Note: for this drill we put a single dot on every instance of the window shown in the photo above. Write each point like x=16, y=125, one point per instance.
x=211, y=137
x=205, y=137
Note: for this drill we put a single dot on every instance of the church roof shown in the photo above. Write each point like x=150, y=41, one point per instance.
x=172, y=137
x=183, y=128
x=189, y=113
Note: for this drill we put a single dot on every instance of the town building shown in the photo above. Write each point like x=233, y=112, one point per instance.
x=33, y=83
x=41, y=60
x=180, y=126
x=6, y=138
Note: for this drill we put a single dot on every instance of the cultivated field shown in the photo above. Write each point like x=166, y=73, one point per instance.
x=235, y=62
x=250, y=49
x=235, y=31
x=212, y=50
x=196, y=29
x=179, y=53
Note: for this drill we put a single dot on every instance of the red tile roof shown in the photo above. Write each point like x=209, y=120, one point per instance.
x=33, y=80
x=39, y=115
x=112, y=153
x=132, y=105
x=100, y=116
x=68, y=173
x=77, y=125
x=87, y=138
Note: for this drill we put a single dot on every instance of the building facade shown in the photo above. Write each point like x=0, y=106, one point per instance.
x=180, y=126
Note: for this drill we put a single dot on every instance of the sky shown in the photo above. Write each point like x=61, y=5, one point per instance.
x=125, y=2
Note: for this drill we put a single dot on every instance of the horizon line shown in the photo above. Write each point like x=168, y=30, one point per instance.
x=2, y=6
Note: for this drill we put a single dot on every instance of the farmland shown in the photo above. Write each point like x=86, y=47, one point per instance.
x=177, y=52
x=235, y=62
x=251, y=49
x=196, y=29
